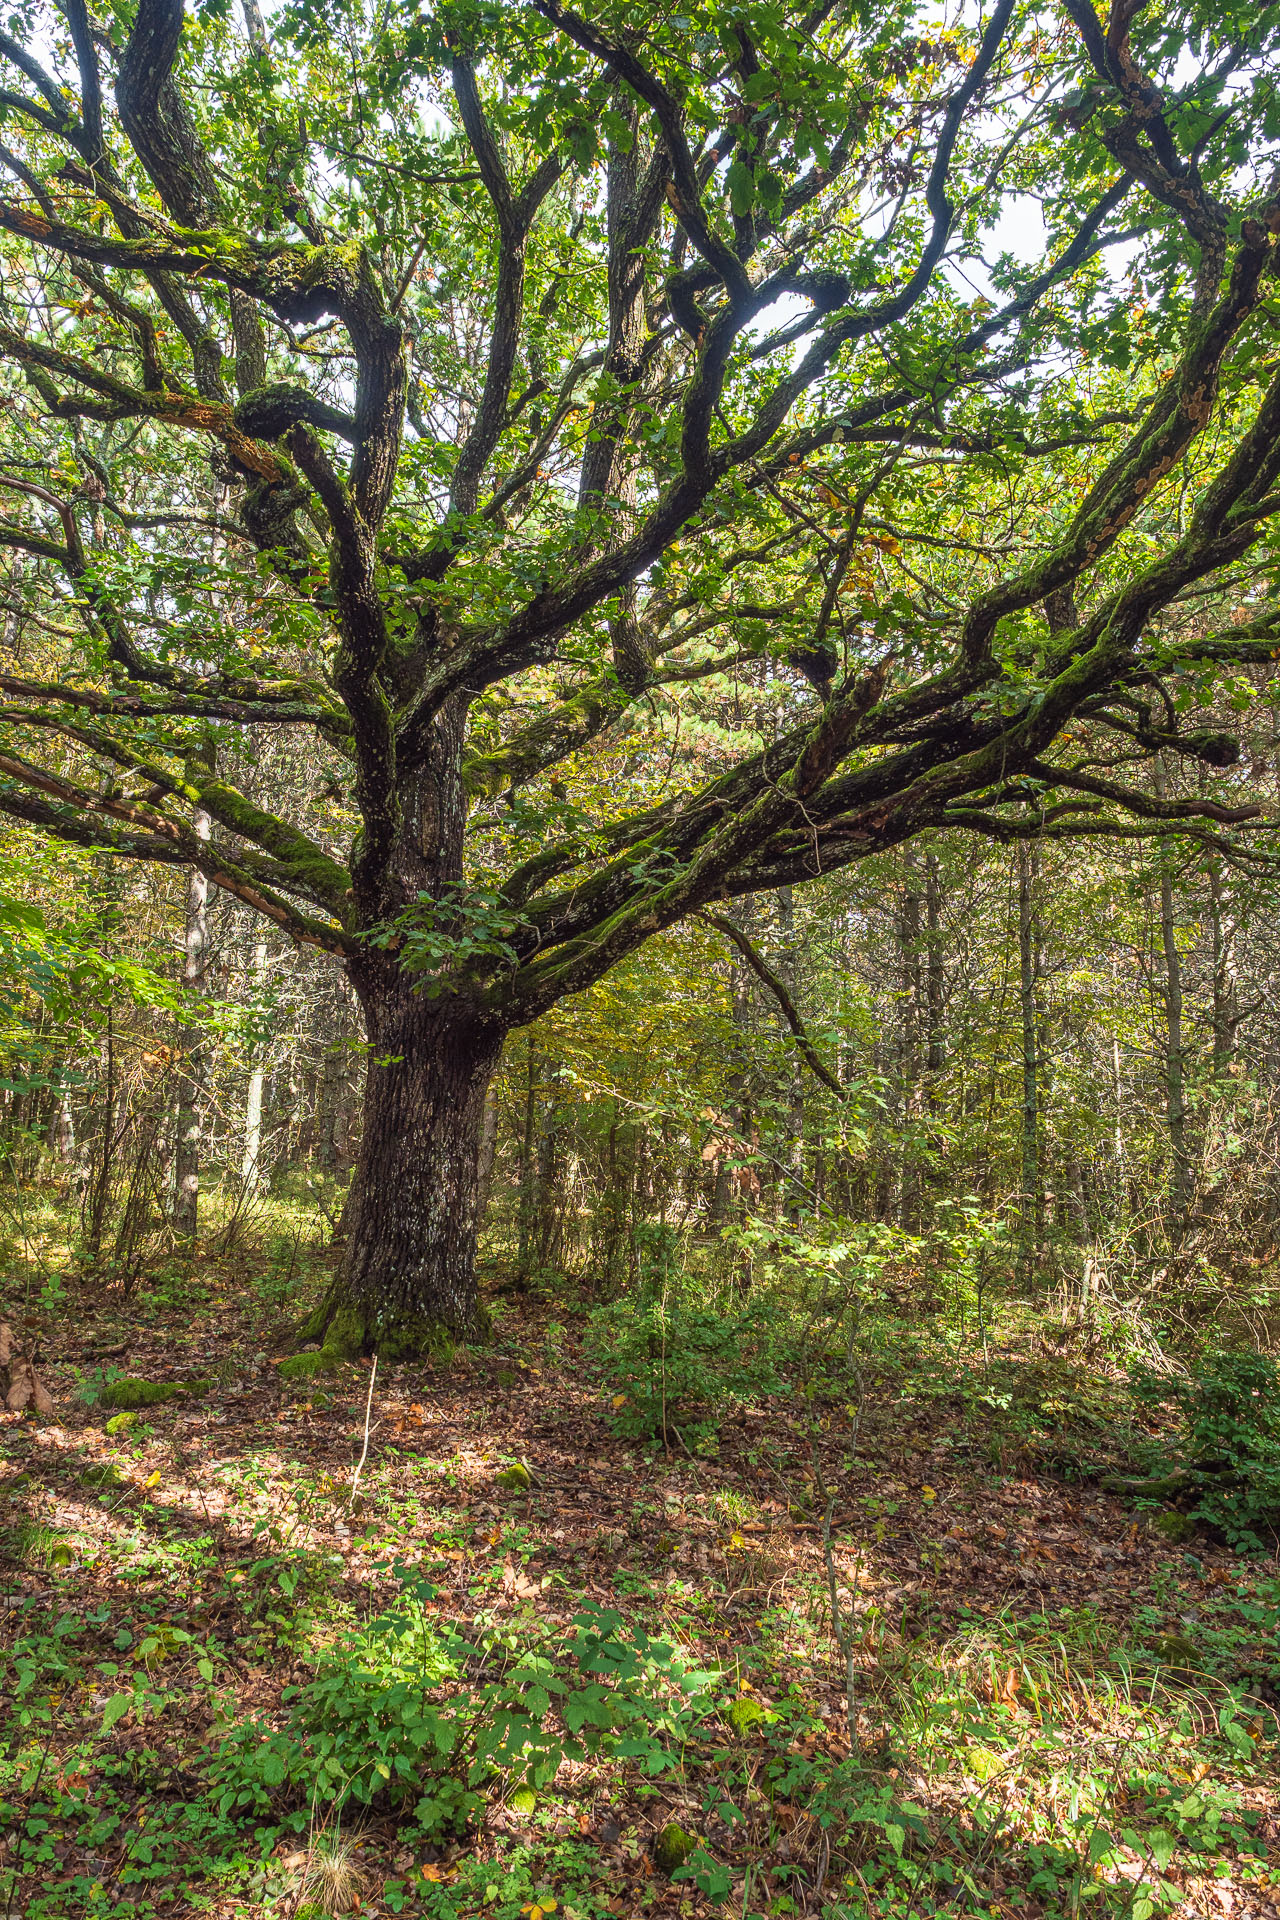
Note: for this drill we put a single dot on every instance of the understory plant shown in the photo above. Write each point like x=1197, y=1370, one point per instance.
x=409, y=1717
x=1225, y=1455
x=676, y=1365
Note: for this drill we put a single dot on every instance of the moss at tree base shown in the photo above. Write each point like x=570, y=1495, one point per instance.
x=413, y=1337
x=345, y=1333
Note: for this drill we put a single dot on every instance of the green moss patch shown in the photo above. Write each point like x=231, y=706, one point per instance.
x=104, y=1475
x=131, y=1394
x=672, y=1847
x=305, y=1366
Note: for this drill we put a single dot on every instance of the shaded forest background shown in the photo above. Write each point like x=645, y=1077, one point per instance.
x=1064, y=1053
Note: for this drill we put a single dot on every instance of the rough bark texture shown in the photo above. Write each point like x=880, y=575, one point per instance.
x=407, y=1283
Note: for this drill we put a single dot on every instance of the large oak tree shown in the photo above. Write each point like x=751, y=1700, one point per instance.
x=472, y=386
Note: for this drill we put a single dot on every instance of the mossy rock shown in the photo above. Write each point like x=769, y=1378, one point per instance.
x=102, y=1476
x=305, y=1366
x=1175, y=1650
x=1173, y=1526
x=743, y=1714
x=523, y=1801
x=120, y=1423
x=516, y=1478
x=37, y=1545
x=983, y=1763
x=672, y=1847
x=132, y=1394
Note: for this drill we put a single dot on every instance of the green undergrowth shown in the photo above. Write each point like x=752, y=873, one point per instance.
x=1072, y=1767
x=226, y=1666
x=407, y=1715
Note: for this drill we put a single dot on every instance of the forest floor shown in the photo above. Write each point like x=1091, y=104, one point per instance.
x=1060, y=1709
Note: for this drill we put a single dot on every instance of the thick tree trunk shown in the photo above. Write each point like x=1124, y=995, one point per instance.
x=407, y=1284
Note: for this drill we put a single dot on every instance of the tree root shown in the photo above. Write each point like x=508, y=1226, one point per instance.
x=1163, y=1486
x=1160, y=1486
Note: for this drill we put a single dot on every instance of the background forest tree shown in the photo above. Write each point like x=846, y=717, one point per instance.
x=584, y=475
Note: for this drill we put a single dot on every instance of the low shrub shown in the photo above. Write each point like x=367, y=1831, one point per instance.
x=674, y=1367
x=1226, y=1453
x=409, y=1716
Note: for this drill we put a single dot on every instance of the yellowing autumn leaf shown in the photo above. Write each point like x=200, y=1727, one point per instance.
x=928, y=1493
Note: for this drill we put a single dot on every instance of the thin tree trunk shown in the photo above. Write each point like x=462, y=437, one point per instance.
x=796, y=1195
x=99, y=1194
x=904, y=1197
x=1117, y=1137
x=729, y=1181
x=1032, y=1226
x=251, y=1170
x=1174, y=1054
x=61, y=1136
x=528, y=1166
x=488, y=1151
x=1224, y=976
x=186, y=1157
x=936, y=1056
